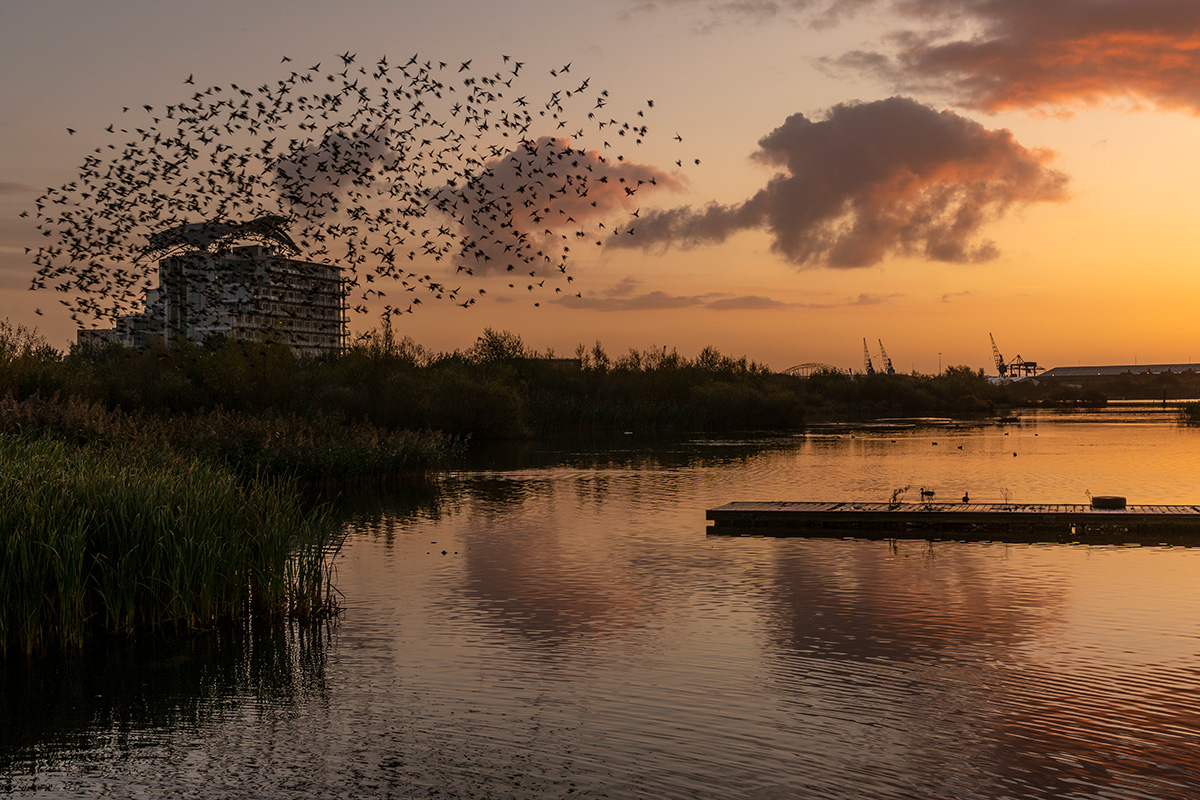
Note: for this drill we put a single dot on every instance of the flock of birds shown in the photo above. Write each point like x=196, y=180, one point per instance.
x=386, y=170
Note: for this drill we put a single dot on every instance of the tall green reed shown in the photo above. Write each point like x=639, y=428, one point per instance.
x=118, y=541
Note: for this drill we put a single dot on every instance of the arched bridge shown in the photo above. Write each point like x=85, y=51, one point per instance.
x=805, y=370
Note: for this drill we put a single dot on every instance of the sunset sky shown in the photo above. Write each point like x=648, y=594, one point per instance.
x=921, y=172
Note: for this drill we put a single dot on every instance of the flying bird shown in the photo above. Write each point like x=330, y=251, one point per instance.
x=394, y=174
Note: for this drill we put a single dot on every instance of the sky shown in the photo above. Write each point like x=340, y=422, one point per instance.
x=916, y=173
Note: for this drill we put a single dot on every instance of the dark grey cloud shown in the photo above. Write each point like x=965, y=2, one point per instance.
x=623, y=296
x=650, y=301
x=711, y=14
x=748, y=302
x=545, y=193
x=872, y=180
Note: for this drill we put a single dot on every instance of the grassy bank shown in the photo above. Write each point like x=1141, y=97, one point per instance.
x=119, y=540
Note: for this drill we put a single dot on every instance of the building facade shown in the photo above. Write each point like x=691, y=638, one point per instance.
x=250, y=293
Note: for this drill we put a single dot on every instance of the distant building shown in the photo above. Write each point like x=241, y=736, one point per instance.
x=98, y=337
x=248, y=292
x=1086, y=374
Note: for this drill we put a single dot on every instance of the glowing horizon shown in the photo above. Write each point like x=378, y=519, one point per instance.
x=1025, y=174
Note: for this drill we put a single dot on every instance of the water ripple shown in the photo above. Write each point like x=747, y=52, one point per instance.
x=562, y=627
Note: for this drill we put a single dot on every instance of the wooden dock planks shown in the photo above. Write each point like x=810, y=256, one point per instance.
x=972, y=521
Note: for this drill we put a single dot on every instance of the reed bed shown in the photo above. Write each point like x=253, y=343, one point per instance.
x=322, y=450
x=113, y=540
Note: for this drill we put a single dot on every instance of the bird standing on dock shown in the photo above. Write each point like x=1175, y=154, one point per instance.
x=927, y=494
x=966, y=497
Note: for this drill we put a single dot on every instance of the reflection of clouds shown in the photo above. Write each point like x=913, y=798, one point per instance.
x=538, y=560
x=540, y=556
x=950, y=662
x=541, y=576
x=854, y=600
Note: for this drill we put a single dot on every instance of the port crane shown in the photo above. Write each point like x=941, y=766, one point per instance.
x=868, y=367
x=1001, y=367
x=1018, y=366
x=884, y=361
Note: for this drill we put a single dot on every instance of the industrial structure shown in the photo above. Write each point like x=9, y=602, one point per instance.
x=808, y=369
x=1018, y=367
x=210, y=286
x=885, y=362
x=811, y=368
x=1083, y=375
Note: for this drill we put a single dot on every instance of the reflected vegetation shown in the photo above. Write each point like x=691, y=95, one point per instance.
x=627, y=451
x=60, y=709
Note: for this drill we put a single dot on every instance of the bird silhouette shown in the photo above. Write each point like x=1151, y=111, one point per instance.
x=379, y=169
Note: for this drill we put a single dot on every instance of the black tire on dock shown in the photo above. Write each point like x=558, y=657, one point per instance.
x=1108, y=501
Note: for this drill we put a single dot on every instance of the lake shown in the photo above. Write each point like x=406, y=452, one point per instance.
x=557, y=622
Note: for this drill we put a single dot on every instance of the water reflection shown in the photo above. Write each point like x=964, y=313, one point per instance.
x=537, y=580
x=556, y=623
x=909, y=602
x=113, y=700
x=627, y=452
x=919, y=651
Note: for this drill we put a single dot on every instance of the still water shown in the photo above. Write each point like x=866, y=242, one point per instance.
x=558, y=623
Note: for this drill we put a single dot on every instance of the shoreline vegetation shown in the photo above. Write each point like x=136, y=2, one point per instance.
x=97, y=541
x=172, y=487
x=389, y=392
x=387, y=408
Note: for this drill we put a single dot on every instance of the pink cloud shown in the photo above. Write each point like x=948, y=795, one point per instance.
x=1004, y=54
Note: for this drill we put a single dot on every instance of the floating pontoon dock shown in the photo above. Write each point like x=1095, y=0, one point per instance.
x=1027, y=522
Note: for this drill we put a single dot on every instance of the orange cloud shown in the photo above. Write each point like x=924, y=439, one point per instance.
x=1031, y=53
x=1004, y=54
x=872, y=180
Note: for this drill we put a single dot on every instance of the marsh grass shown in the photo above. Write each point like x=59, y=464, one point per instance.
x=117, y=541
x=323, y=450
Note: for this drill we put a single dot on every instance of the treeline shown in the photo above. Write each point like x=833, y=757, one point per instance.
x=497, y=388
x=957, y=392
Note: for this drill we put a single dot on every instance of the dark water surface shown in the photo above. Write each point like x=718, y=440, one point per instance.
x=559, y=624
